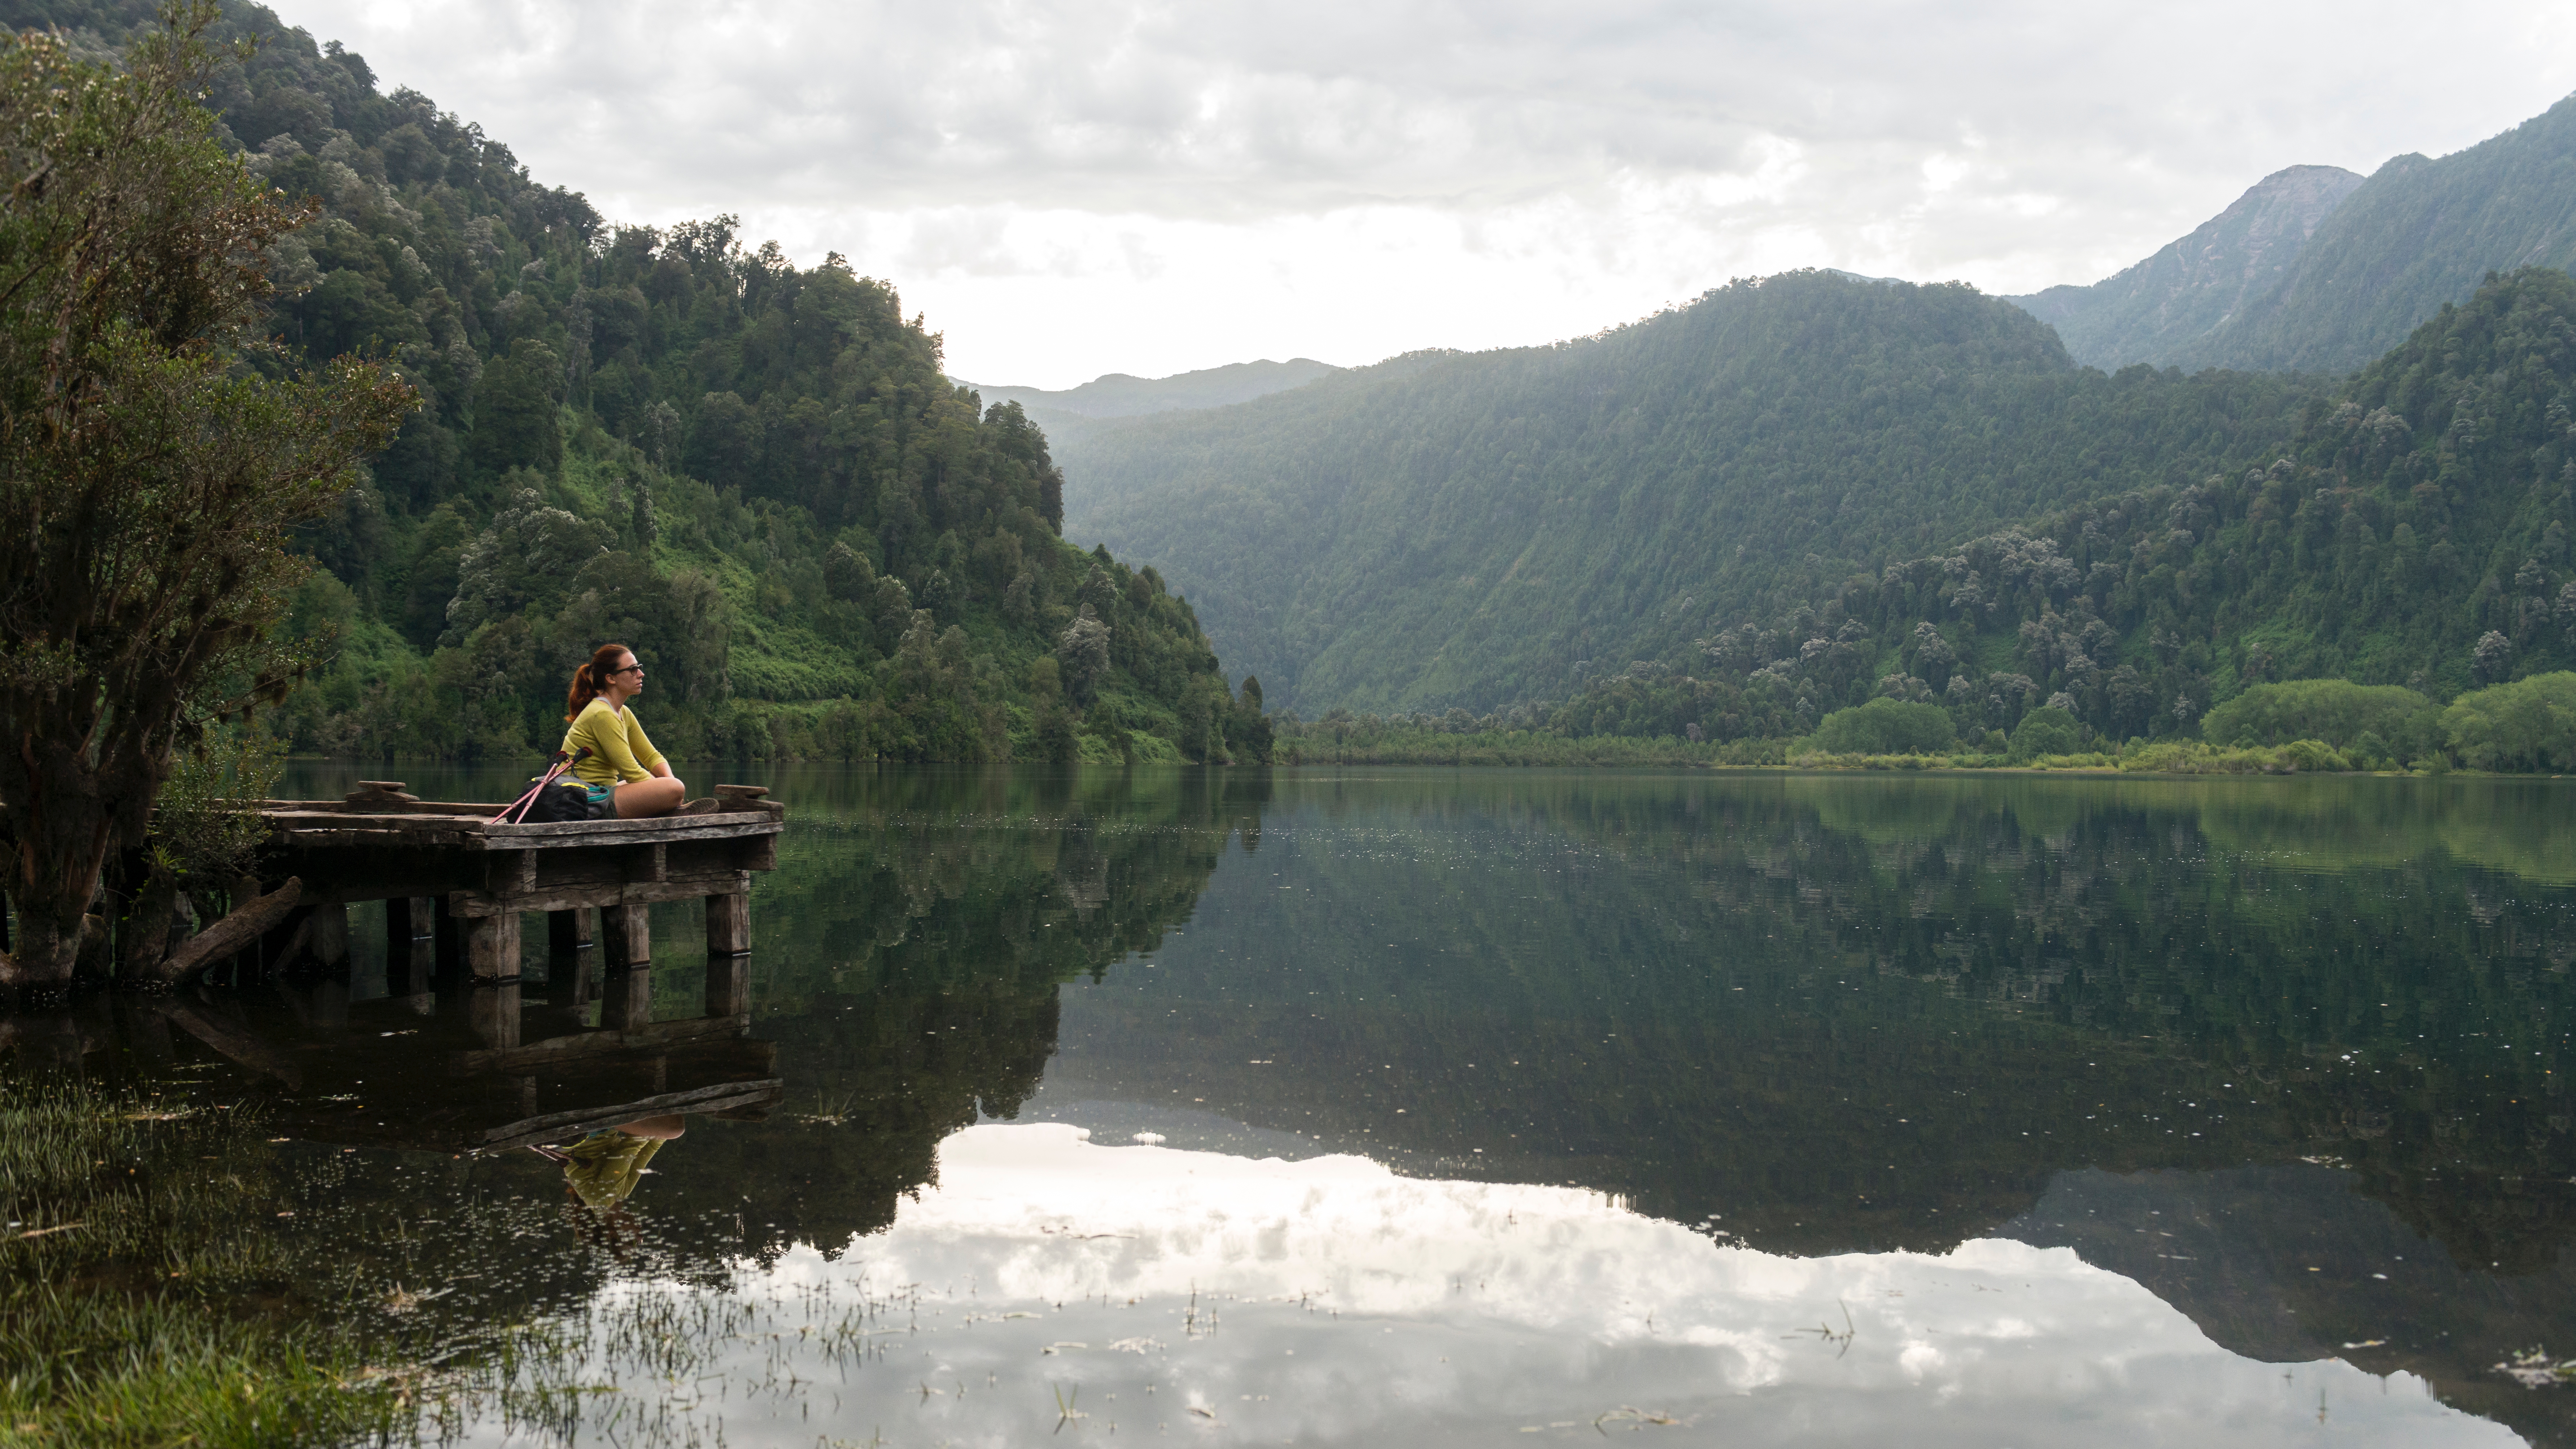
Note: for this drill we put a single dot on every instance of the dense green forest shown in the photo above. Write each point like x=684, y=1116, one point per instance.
x=2412, y=530
x=2257, y=291
x=754, y=474
x=1478, y=531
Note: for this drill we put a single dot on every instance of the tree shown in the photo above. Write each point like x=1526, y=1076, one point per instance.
x=515, y=422
x=1249, y=732
x=1083, y=650
x=2491, y=658
x=1886, y=726
x=147, y=483
x=847, y=575
x=2049, y=730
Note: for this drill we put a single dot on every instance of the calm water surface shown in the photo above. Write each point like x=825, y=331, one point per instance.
x=1433, y=1107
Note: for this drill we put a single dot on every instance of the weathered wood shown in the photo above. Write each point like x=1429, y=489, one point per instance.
x=728, y=985
x=327, y=937
x=492, y=947
x=233, y=1041
x=492, y=1014
x=512, y=873
x=283, y=945
x=387, y=808
x=741, y=795
x=233, y=932
x=656, y=830
x=379, y=792
x=651, y=1036
x=729, y=924
x=721, y=1097
x=626, y=999
x=626, y=935
x=606, y=896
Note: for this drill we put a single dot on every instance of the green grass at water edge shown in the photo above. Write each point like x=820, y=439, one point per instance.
x=123, y=1285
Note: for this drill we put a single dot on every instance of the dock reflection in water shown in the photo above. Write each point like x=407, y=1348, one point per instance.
x=1425, y=1107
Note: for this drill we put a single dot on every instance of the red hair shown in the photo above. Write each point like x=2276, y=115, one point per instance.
x=590, y=681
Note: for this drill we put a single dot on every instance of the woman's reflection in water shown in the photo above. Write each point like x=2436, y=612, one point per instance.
x=601, y=1171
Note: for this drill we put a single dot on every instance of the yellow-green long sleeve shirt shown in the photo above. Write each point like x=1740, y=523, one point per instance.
x=620, y=753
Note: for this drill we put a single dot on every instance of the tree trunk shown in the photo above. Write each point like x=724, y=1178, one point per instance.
x=232, y=933
x=46, y=952
x=146, y=937
x=65, y=822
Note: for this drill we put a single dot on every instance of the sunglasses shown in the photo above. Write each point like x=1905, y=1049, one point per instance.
x=629, y=669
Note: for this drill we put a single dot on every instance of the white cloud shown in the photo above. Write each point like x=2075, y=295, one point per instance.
x=1330, y=1301
x=1353, y=177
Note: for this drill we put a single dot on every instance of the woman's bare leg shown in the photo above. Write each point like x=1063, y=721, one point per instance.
x=644, y=798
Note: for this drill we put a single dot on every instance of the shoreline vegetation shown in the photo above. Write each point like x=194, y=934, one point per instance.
x=2323, y=726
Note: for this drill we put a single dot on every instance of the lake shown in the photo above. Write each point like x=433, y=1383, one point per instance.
x=1435, y=1107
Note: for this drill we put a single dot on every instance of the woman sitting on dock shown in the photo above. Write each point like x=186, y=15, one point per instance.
x=622, y=761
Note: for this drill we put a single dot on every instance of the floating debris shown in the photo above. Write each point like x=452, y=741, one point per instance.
x=2533, y=1368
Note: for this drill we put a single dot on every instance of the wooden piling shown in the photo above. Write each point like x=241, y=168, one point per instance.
x=728, y=924
x=492, y=947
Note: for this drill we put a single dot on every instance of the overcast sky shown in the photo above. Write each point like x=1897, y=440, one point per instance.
x=1100, y=186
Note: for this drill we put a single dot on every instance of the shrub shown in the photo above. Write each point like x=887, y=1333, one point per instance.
x=2529, y=724
x=2336, y=711
x=1886, y=727
x=2047, y=730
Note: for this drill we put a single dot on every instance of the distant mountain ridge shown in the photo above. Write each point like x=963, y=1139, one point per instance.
x=1119, y=395
x=2305, y=273
x=2170, y=302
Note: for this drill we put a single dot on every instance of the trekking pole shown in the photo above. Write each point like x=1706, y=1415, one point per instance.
x=560, y=763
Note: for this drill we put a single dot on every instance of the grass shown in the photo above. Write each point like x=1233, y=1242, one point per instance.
x=130, y=1255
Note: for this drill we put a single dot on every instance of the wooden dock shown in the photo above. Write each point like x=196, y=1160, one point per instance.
x=454, y=886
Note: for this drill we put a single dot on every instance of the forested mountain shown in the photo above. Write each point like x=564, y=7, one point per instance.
x=2172, y=300
x=2418, y=234
x=1477, y=531
x=753, y=473
x=2411, y=529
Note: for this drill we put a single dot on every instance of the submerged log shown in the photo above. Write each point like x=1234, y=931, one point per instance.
x=245, y=925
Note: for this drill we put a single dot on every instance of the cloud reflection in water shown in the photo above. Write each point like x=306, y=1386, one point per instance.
x=1331, y=1301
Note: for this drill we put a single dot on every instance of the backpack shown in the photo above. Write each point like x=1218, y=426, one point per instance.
x=570, y=800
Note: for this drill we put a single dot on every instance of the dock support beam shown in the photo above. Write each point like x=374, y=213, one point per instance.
x=626, y=936
x=626, y=999
x=328, y=943
x=626, y=951
x=728, y=985
x=492, y=946
x=728, y=925
x=492, y=1013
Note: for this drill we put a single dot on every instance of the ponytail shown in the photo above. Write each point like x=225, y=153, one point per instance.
x=590, y=681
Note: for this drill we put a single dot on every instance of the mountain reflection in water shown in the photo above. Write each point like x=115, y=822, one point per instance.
x=1738, y=1107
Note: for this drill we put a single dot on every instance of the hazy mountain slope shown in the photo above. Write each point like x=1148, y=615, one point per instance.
x=1456, y=529
x=2418, y=234
x=2379, y=258
x=1117, y=395
x=2175, y=298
